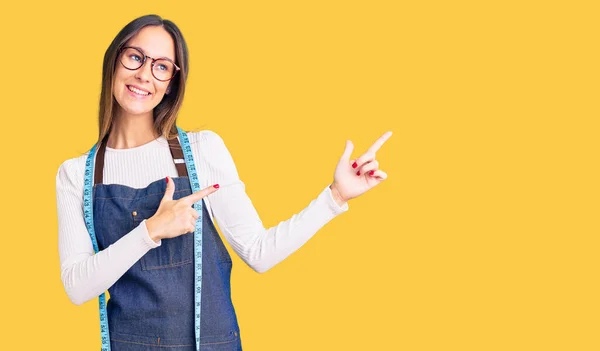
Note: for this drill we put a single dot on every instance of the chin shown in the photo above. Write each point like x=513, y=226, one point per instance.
x=133, y=108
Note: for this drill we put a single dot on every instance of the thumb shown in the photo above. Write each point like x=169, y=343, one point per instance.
x=170, y=189
x=347, y=151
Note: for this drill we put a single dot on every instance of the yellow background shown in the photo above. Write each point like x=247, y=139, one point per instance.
x=484, y=236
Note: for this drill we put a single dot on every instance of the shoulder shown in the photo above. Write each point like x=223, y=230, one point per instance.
x=208, y=144
x=206, y=138
x=72, y=170
x=211, y=149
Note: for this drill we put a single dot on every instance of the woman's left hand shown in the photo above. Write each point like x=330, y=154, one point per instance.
x=355, y=177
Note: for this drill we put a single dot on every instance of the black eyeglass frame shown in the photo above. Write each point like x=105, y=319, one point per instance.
x=145, y=57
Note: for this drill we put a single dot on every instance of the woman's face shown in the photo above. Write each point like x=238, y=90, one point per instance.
x=155, y=42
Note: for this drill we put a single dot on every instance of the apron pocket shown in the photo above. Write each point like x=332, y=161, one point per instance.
x=173, y=252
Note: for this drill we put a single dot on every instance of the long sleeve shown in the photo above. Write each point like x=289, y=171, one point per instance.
x=237, y=218
x=86, y=275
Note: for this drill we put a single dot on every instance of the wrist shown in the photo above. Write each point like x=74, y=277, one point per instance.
x=339, y=199
x=152, y=232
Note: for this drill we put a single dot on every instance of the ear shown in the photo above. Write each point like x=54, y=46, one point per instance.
x=168, y=91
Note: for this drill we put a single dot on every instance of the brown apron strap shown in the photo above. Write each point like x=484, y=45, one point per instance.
x=99, y=166
x=178, y=159
x=176, y=153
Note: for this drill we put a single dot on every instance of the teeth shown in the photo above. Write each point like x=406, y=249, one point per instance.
x=138, y=91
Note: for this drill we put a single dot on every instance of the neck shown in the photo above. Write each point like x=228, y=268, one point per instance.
x=129, y=131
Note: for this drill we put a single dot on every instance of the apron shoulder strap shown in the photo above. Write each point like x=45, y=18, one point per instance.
x=178, y=159
x=176, y=153
x=99, y=165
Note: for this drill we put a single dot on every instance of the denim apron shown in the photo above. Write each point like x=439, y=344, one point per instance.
x=151, y=307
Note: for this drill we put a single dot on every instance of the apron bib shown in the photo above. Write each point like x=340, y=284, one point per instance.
x=151, y=307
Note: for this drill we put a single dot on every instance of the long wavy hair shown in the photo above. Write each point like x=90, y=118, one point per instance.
x=165, y=113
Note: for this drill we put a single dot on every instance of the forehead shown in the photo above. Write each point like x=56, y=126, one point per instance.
x=154, y=41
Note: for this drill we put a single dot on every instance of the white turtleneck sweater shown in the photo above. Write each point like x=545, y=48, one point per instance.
x=86, y=275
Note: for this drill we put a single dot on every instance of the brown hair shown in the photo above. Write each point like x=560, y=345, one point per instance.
x=165, y=113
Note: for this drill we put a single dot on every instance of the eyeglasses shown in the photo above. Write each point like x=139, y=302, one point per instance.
x=163, y=69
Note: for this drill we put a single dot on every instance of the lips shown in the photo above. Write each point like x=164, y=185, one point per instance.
x=137, y=90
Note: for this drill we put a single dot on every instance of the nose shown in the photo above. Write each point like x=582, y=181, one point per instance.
x=144, y=73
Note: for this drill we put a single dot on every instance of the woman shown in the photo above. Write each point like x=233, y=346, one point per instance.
x=135, y=243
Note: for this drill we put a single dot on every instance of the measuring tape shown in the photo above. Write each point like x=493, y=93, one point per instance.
x=88, y=188
x=193, y=176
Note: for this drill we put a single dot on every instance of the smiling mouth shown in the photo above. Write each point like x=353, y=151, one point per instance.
x=137, y=91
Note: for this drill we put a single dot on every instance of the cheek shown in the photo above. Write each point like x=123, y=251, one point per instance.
x=119, y=80
x=160, y=88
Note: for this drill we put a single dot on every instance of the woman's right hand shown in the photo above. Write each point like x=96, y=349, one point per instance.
x=176, y=217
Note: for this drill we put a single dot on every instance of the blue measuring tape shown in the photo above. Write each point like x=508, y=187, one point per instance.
x=88, y=188
x=89, y=222
x=195, y=184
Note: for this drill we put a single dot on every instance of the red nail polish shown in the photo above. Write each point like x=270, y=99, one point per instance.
x=216, y=186
x=354, y=165
x=358, y=173
x=167, y=179
x=372, y=172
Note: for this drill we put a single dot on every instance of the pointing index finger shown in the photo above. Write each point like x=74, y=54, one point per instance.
x=379, y=142
x=197, y=196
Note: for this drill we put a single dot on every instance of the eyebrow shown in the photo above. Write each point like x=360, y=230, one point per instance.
x=156, y=58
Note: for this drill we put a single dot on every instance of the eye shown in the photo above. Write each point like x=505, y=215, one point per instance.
x=162, y=67
x=136, y=57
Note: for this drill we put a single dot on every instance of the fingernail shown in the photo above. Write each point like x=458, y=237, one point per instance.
x=167, y=179
x=358, y=173
x=372, y=172
x=354, y=165
x=216, y=186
